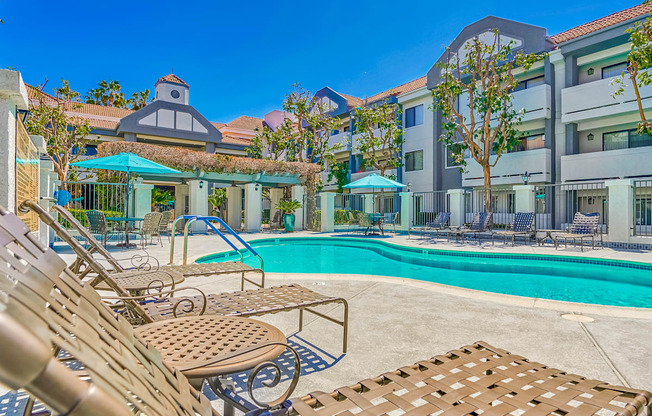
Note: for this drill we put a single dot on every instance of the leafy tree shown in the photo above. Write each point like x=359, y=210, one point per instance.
x=271, y=144
x=217, y=198
x=483, y=75
x=380, y=135
x=638, y=67
x=161, y=197
x=65, y=136
x=339, y=171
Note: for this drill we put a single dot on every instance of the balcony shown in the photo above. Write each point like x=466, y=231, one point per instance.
x=343, y=138
x=510, y=169
x=535, y=101
x=622, y=163
x=595, y=100
x=356, y=136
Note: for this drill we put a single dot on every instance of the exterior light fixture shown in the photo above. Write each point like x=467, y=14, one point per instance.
x=525, y=177
x=257, y=187
x=201, y=184
x=590, y=136
x=409, y=186
x=590, y=71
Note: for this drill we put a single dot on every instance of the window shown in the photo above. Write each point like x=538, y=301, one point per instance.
x=450, y=160
x=414, y=161
x=536, y=141
x=414, y=116
x=530, y=83
x=614, y=70
x=625, y=139
x=346, y=128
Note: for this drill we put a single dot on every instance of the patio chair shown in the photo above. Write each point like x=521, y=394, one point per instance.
x=248, y=303
x=482, y=221
x=62, y=344
x=439, y=224
x=391, y=219
x=364, y=222
x=583, y=226
x=165, y=225
x=472, y=380
x=97, y=225
x=151, y=226
x=277, y=221
x=352, y=222
x=523, y=225
x=189, y=270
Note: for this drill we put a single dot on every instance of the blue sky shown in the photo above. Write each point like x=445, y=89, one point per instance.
x=242, y=57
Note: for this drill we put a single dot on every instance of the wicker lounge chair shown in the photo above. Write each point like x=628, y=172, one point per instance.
x=439, y=224
x=584, y=226
x=482, y=221
x=206, y=269
x=472, y=380
x=248, y=303
x=62, y=344
x=523, y=225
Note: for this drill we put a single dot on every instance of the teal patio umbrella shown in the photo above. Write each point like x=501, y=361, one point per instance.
x=374, y=182
x=125, y=162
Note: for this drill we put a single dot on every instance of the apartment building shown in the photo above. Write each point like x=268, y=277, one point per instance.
x=574, y=129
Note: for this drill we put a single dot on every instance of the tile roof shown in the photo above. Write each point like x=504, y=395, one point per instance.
x=246, y=123
x=172, y=78
x=236, y=140
x=351, y=100
x=602, y=23
x=218, y=125
x=401, y=89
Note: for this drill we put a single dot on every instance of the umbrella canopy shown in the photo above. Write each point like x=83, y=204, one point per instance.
x=374, y=181
x=125, y=162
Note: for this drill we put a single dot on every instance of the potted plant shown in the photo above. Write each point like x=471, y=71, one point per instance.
x=287, y=207
x=216, y=199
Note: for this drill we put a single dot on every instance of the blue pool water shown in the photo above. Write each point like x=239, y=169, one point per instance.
x=584, y=280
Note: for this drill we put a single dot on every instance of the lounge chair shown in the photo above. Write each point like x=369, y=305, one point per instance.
x=583, y=226
x=189, y=270
x=439, y=224
x=247, y=303
x=45, y=309
x=523, y=225
x=482, y=221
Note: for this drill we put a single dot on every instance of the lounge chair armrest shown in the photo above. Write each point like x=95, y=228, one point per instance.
x=139, y=261
x=165, y=294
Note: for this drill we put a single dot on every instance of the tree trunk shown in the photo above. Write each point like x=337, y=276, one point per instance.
x=486, y=169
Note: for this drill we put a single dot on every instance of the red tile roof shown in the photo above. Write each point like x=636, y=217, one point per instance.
x=172, y=78
x=351, y=100
x=218, y=125
x=602, y=23
x=401, y=89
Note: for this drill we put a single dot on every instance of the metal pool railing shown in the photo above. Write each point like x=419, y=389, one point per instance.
x=642, y=208
x=426, y=206
x=556, y=204
x=503, y=204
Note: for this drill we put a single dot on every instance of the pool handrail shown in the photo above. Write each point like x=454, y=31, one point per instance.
x=207, y=219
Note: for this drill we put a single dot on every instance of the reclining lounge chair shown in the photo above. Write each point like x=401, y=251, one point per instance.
x=523, y=225
x=45, y=309
x=583, y=226
x=482, y=221
x=247, y=303
x=439, y=224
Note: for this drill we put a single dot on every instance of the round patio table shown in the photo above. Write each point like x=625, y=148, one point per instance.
x=126, y=220
x=377, y=220
x=187, y=343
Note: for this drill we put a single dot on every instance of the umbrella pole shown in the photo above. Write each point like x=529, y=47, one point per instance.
x=127, y=213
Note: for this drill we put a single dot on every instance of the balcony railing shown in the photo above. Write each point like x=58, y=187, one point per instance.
x=343, y=138
x=535, y=101
x=622, y=163
x=510, y=169
x=595, y=100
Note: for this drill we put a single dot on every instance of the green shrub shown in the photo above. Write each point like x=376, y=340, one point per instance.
x=80, y=215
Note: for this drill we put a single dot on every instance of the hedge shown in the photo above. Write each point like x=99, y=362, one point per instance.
x=80, y=215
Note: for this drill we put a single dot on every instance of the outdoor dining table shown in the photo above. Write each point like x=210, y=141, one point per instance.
x=126, y=220
x=377, y=220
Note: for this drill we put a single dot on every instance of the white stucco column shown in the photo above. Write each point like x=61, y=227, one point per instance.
x=327, y=212
x=524, y=195
x=13, y=97
x=456, y=198
x=299, y=193
x=407, y=210
x=198, y=199
x=253, y=206
x=621, y=209
x=234, y=207
x=142, y=199
x=369, y=203
x=275, y=196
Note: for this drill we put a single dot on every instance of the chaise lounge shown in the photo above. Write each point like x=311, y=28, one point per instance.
x=583, y=226
x=523, y=225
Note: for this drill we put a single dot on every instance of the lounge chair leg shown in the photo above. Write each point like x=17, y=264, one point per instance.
x=300, y=319
x=345, y=335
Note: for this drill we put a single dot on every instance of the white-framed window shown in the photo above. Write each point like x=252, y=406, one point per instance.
x=414, y=161
x=614, y=70
x=414, y=116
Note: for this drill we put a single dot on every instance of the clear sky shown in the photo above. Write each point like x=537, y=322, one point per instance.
x=242, y=57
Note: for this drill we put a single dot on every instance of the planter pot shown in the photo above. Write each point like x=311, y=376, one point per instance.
x=288, y=221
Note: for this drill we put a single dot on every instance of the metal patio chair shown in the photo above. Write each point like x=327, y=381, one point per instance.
x=440, y=223
x=583, y=226
x=97, y=224
x=523, y=225
x=150, y=228
x=364, y=222
x=482, y=221
x=165, y=225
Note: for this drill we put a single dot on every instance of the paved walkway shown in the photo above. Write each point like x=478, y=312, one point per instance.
x=393, y=324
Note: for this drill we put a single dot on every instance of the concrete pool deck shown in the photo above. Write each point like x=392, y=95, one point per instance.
x=395, y=323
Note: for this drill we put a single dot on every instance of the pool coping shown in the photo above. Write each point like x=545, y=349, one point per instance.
x=512, y=300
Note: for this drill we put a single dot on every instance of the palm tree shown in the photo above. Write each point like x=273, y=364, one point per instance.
x=139, y=99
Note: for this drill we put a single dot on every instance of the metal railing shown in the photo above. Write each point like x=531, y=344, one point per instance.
x=426, y=206
x=345, y=203
x=556, y=204
x=387, y=202
x=643, y=208
x=102, y=196
x=503, y=204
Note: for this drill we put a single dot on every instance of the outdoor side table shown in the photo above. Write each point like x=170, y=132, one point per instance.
x=548, y=235
x=126, y=220
x=189, y=342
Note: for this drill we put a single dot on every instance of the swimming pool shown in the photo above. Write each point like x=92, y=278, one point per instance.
x=573, y=279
